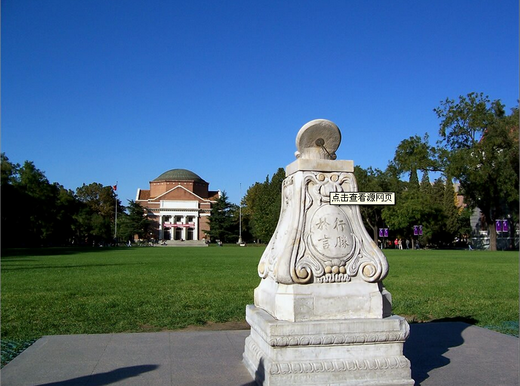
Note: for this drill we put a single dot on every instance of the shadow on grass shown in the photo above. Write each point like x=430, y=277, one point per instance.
x=33, y=267
x=428, y=342
x=462, y=319
x=105, y=378
x=16, y=253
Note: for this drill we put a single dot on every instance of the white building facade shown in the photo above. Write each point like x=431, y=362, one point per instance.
x=179, y=205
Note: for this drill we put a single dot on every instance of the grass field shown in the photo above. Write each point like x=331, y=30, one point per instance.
x=73, y=291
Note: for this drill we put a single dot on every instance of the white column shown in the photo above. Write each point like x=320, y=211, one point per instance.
x=161, y=230
x=174, y=229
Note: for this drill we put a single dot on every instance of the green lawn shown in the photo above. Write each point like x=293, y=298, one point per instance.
x=73, y=291
x=479, y=287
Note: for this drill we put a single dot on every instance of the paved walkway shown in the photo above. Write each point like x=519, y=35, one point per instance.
x=442, y=354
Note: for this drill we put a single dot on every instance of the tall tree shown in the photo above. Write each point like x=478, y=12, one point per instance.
x=263, y=204
x=67, y=207
x=414, y=205
x=480, y=149
x=41, y=199
x=12, y=200
x=374, y=180
x=34, y=211
x=415, y=154
x=133, y=222
x=97, y=215
x=8, y=170
x=221, y=224
x=451, y=211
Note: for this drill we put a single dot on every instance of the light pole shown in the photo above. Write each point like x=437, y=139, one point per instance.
x=240, y=217
x=115, y=221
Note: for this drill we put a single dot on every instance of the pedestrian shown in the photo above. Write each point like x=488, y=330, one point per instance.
x=407, y=244
x=400, y=244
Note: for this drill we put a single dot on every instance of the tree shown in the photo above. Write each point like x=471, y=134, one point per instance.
x=414, y=154
x=480, y=149
x=414, y=204
x=134, y=222
x=9, y=171
x=411, y=208
x=456, y=223
x=67, y=207
x=40, y=203
x=262, y=205
x=221, y=224
x=96, y=217
x=374, y=180
x=12, y=199
x=34, y=211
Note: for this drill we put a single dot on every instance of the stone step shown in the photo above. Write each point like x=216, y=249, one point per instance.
x=187, y=243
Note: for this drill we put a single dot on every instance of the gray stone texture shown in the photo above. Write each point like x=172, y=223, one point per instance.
x=441, y=354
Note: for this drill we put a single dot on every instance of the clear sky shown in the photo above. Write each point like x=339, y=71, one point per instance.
x=124, y=90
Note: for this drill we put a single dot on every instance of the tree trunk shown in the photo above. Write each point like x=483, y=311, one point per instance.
x=376, y=234
x=492, y=236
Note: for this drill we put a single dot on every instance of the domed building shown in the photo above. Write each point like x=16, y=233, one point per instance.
x=179, y=205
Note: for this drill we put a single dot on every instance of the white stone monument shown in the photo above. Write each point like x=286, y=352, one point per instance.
x=321, y=314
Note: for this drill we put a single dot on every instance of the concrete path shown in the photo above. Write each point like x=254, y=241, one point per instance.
x=442, y=354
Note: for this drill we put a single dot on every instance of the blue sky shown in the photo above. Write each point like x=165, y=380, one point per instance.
x=106, y=91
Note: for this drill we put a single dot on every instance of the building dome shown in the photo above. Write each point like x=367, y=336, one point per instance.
x=179, y=175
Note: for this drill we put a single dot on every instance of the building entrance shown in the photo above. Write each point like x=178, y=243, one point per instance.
x=178, y=233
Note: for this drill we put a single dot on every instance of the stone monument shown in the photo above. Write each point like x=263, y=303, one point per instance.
x=321, y=314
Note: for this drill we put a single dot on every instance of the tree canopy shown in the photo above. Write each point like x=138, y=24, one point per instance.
x=36, y=212
x=480, y=149
x=262, y=204
x=222, y=223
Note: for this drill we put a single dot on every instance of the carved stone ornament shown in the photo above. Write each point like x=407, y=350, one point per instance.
x=322, y=315
x=314, y=241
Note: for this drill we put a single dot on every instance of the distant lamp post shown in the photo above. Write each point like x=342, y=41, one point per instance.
x=240, y=242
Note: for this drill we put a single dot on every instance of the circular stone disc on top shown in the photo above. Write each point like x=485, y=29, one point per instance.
x=318, y=139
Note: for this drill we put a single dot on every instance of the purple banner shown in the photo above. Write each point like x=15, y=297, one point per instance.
x=505, y=226
x=381, y=232
x=415, y=230
x=498, y=225
x=420, y=230
x=386, y=231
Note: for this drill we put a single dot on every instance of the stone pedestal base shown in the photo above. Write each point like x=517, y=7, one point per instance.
x=341, y=352
x=323, y=301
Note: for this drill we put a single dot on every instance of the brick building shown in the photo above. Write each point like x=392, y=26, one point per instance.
x=179, y=205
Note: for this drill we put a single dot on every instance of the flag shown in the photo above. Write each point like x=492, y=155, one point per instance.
x=114, y=187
